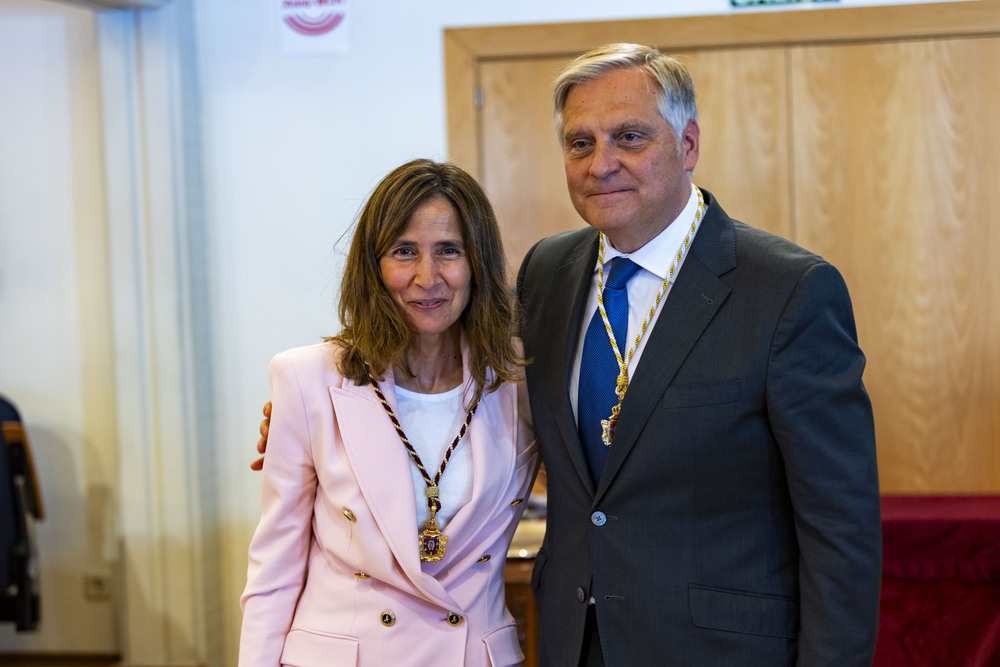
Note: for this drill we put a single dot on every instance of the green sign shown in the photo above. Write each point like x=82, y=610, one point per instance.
x=755, y=3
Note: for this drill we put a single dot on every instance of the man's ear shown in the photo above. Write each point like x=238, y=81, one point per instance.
x=689, y=144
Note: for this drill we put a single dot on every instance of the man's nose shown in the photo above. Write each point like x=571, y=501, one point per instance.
x=605, y=160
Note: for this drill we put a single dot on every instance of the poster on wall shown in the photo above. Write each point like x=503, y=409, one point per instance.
x=313, y=26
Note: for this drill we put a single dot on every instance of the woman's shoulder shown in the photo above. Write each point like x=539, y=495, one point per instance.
x=322, y=359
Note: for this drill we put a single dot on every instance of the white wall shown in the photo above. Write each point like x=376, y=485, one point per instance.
x=290, y=146
x=55, y=359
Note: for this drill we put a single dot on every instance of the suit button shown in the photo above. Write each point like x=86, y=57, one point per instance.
x=454, y=619
x=483, y=559
x=581, y=594
x=516, y=501
x=362, y=575
x=388, y=619
x=349, y=514
x=598, y=518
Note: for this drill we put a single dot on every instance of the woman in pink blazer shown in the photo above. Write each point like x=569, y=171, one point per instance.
x=400, y=451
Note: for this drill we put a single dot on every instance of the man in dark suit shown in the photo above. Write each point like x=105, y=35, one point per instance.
x=712, y=487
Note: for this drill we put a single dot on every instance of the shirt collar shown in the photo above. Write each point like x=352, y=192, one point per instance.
x=658, y=254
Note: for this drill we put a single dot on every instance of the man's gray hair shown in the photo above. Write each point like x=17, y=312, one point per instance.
x=675, y=89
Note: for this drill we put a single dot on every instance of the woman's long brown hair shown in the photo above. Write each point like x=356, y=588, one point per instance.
x=375, y=330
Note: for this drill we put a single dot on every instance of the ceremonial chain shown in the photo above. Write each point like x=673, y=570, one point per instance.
x=608, y=425
x=430, y=540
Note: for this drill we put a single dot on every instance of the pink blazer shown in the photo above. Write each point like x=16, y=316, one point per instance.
x=334, y=576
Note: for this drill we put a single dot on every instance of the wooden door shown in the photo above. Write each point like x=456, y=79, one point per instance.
x=868, y=135
x=897, y=182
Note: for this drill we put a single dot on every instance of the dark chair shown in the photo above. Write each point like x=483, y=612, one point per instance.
x=20, y=508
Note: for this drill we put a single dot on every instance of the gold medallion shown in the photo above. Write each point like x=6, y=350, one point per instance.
x=432, y=542
x=608, y=425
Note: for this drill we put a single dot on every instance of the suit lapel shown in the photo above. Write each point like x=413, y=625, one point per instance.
x=693, y=301
x=382, y=469
x=571, y=279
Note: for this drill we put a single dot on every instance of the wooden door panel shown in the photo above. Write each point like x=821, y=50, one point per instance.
x=744, y=141
x=522, y=167
x=896, y=174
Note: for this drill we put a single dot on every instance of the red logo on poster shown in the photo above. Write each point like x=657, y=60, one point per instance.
x=312, y=17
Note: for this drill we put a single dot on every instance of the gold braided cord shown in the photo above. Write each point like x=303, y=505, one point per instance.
x=623, y=363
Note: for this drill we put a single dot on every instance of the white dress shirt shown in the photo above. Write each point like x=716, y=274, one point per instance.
x=655, y=259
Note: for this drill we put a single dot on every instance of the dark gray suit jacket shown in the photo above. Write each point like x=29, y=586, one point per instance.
x=737, y=519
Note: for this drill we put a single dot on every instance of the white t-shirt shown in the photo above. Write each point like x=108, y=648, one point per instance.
x=431, y=422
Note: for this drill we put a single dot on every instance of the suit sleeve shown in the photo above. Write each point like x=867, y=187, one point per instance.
x=280, y=546
x=821, y=417
x=520, y=284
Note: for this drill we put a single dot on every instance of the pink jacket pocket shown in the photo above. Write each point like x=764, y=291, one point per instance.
x=305, y=648
x=502, y=646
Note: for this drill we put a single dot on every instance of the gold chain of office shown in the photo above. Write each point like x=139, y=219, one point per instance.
x=608, y=425
x=430, y=540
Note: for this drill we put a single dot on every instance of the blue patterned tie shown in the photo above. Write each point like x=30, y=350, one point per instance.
x=599, y=367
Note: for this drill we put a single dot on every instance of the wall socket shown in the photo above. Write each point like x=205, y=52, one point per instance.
x=97, y=587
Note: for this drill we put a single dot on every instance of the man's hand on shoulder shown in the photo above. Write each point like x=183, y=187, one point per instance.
x=262, y=442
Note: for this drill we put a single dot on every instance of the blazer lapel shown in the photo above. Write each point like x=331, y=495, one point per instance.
x=694, y=299
x=382, y=468
x=572, y=279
